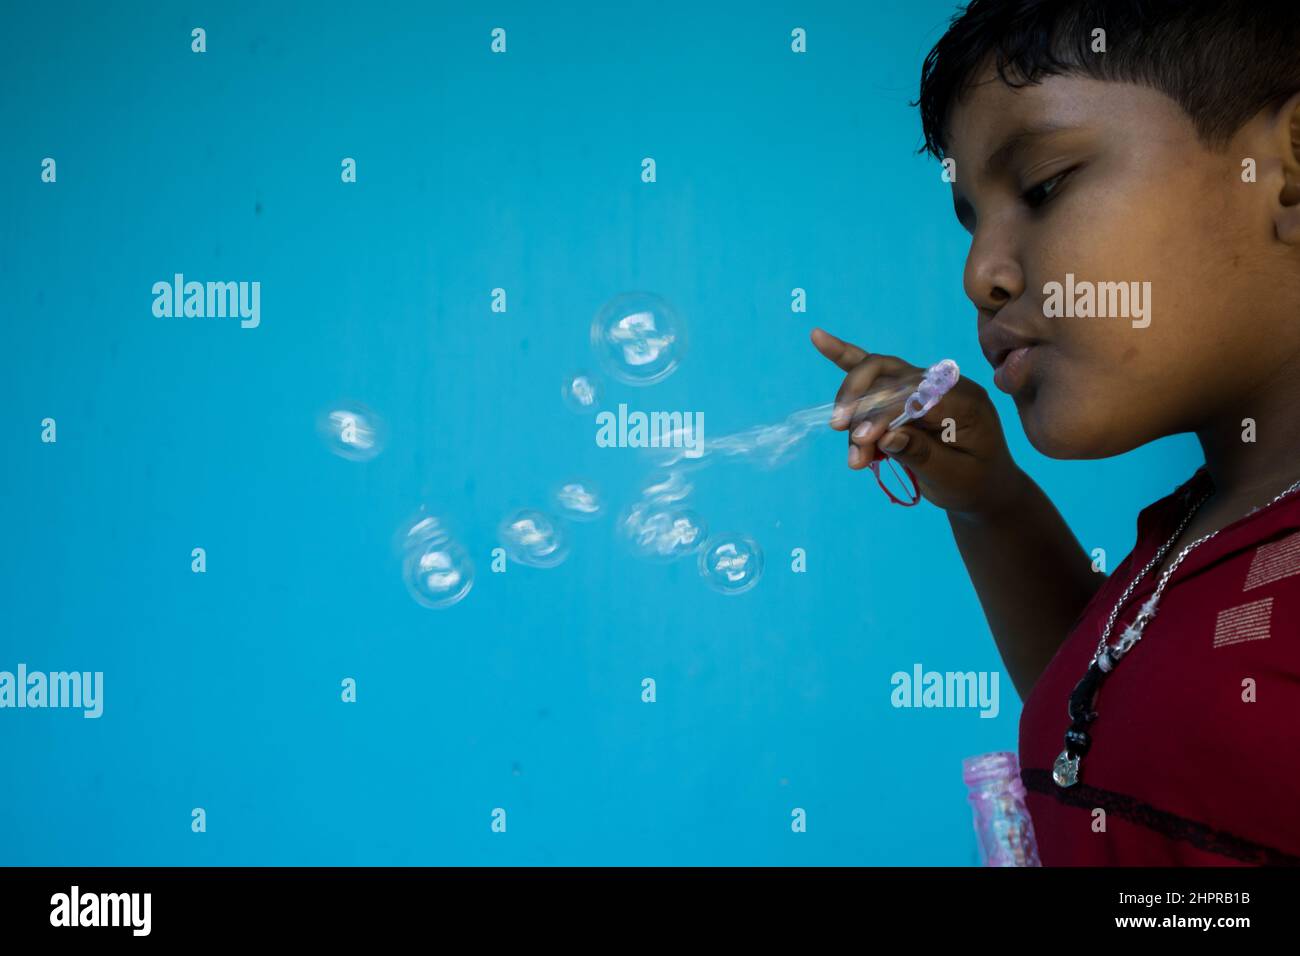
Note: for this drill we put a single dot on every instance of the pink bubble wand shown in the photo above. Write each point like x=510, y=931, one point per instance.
x=937, y=382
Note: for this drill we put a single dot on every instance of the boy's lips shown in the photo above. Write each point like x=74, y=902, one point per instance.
x=1012, y=372
x=1007, y=351
x=997, y=340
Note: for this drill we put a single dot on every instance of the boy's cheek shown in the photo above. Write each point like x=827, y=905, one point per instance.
x=1091, y=351
x=1096, y=397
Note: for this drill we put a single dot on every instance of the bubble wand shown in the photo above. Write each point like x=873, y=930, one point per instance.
x=769, y=445
x=938, y=381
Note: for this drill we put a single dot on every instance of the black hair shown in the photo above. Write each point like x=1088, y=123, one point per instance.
x=1223, y=61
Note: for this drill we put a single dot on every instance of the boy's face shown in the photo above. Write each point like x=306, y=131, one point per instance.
x=1109, y=182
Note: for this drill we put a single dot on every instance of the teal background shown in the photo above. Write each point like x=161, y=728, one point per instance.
x=475, y=171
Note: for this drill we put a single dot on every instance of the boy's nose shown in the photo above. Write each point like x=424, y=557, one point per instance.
x=992, y=277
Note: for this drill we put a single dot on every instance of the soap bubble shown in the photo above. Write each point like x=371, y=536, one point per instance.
x=534, y=538
x=437, y=571
x=439, y=575
x=667, y=487
x=662, y=532
x=352, y=431
x=579, y=500
x=638, y=338
x=731, y=563
x=581, y=392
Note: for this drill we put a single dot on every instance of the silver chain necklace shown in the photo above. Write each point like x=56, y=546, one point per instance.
x=1077, y=741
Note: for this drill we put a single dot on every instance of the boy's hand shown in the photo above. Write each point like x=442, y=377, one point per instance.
x=974, y=473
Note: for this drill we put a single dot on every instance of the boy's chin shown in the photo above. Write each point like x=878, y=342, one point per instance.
x=1056, y=428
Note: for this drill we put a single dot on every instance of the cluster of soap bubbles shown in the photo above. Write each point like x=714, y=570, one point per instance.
x=438, y=571
x=639, y=339
x=659, y=527
x=539, y=539
x=663, y=533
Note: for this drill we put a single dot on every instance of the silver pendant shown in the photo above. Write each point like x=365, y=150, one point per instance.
x=1066, y=770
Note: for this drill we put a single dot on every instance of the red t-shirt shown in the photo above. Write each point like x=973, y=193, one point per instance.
x=1187, y=771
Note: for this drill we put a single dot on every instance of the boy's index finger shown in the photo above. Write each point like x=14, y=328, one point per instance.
x=844, y=354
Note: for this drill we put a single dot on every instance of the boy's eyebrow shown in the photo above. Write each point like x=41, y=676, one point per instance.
x=1017, y=141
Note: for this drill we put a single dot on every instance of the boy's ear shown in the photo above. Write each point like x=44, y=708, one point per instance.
x=1287, y=212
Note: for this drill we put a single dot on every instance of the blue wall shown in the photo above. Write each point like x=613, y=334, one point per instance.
x=475, y=171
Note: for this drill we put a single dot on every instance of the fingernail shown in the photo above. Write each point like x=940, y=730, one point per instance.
x=895, y=441
x=840, y=415
x=861, y=430
x=855, y=454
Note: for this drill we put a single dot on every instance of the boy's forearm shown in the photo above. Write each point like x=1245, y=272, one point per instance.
x=1032, y=577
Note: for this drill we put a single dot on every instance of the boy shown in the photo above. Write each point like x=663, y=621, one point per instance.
x=1099, y=143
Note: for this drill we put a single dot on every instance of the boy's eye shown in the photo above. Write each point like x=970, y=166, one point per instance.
x=1035, y=196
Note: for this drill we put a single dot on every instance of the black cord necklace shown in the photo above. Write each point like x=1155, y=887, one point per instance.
x=1065, y=771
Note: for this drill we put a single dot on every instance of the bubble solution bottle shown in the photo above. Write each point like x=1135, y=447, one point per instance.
x=997, y=796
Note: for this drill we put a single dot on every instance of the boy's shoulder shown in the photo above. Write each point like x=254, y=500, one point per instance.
x=1163, y=513
x=1253, y=558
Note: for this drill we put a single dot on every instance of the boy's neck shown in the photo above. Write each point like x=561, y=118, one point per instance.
x=1243, y=469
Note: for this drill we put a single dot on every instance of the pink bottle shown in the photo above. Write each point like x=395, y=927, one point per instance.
x=1002, y=824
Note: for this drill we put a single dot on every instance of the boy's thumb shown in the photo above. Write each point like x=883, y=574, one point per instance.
x=909, y=446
